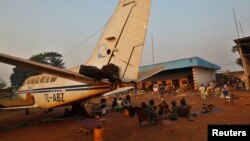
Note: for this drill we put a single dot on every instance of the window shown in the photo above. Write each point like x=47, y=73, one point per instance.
x=47, y=79
x=42, y=79
x=37, y=80
x=32, y=81
x=53, y=79
x=28, y=82
x=24, y=82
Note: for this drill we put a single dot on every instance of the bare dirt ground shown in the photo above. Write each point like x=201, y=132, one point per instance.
x=16, y=126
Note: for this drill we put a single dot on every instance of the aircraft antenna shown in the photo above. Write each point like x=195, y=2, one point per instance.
x=84, y=41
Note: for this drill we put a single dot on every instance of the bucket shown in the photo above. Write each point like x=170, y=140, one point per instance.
x=126, y=112
x=98, y=134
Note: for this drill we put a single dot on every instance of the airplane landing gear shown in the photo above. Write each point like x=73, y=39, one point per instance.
x=66, y=112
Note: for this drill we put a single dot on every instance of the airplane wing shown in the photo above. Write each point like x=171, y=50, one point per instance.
x=43, y=68
x=149, y=72
x=117, y=91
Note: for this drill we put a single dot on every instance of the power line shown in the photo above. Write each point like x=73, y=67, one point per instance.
x=84, y=41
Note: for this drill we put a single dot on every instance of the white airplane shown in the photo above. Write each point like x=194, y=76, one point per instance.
x=119, y=49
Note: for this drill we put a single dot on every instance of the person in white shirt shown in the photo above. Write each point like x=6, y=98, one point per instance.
x=119, y=105
x=202, y=90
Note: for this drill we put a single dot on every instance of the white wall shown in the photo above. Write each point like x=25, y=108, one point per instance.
x=203, y=76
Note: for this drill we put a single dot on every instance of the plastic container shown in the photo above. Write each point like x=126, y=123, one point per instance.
x=99, y=134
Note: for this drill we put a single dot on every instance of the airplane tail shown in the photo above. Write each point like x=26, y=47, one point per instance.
x=122, y=41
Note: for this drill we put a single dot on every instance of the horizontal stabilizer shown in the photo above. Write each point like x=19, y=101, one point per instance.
x=43, y=68
x=117, y=91
x=18, y=103
x=150, y=72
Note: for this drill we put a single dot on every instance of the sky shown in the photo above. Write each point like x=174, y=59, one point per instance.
x=180, y=29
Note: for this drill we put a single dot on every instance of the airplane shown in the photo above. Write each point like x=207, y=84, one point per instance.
x=115, y=60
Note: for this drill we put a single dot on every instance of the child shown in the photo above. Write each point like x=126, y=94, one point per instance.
x=202, y=90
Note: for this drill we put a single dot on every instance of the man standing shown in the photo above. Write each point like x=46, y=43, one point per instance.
x=202, y=90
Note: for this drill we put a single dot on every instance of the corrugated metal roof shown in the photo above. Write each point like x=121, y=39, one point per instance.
x=183, y=63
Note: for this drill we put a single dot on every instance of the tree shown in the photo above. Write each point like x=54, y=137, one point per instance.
x=2, y=84
x=235, y=49
x=238, y=60
x=20, y=74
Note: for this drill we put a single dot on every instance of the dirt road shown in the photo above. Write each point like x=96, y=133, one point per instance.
x=16, y=126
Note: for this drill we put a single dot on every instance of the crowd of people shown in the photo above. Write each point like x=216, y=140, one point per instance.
x=214, y=91
x=155, y=112
x=152, y=111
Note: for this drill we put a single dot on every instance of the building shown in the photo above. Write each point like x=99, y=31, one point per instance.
x=183, y=73
x=243, y=44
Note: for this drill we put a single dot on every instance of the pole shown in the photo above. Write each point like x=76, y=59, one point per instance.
x=241, y=29
x=245, y=65
x=236, y=24
x=152, y=49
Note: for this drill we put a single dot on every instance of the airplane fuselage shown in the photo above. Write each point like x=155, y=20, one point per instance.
x=117, y=54
x=52, y=91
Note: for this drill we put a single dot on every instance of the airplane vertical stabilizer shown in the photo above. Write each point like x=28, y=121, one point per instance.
x=122, y=40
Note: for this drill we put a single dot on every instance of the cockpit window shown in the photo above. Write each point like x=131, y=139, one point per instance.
x=28, y=82
x=37, y=80
x=47, y=79
x=32, y=81
x=42, y=79
x=53, y=79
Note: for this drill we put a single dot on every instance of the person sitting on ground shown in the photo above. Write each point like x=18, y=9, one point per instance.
x=163, y=108
x=100, y=108
x=114, y=104
x=126, y=101
x=149, y=112
x=84, y=112
x=127, y=105
x=151, y=103
x=175, y=112
x=184, y=108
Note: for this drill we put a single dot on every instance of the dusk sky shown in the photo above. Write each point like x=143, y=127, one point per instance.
x=180, y=29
